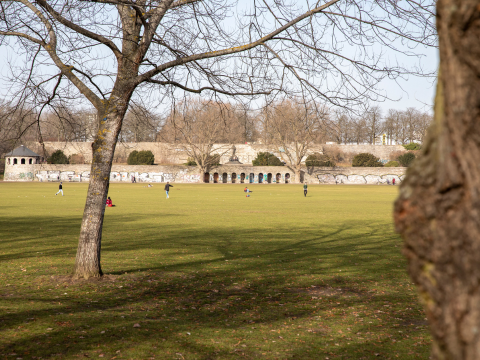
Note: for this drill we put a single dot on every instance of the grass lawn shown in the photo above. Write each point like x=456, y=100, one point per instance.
x=208, y=274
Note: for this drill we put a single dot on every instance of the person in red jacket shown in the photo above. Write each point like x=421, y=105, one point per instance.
x=109, y=202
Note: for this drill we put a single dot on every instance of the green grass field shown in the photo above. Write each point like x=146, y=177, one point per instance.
x=208, y=274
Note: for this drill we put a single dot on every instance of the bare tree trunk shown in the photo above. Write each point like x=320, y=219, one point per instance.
x=297, y=170
x=438, y=209
x=87, y=263
x=202, y=170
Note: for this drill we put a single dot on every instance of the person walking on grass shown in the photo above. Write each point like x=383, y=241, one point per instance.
x=305, y=186
x=60, y=189
x=167, y=188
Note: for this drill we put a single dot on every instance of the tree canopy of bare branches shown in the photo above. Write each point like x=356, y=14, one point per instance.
x=110, y=50
x=294, y=127
x=202, y=130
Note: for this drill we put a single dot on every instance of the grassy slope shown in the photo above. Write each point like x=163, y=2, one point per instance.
x=209, y=274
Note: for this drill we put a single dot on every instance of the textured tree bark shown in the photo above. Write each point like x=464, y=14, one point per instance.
x=87, y=263
x=438, y=209
x=298, y=173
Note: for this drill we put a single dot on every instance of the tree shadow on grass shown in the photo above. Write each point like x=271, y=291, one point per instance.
x=209, y=308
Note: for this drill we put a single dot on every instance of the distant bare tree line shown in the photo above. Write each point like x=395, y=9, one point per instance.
x=400, y=126
x=209, y=122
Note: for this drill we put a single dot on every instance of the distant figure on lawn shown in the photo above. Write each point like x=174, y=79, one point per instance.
x=393, y=181
x=247, y=190
x=167, y=188
x=305, y=187
x=109, y=202
x=60, y=189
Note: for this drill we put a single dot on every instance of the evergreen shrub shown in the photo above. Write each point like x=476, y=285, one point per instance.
x=58, y=157
x=366, y=160
x=413, y=146
x=144, y=157
x=266, y=159
x=132, y=158
x=406, y=159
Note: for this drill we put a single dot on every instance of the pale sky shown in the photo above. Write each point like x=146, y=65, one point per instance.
x=412, y=92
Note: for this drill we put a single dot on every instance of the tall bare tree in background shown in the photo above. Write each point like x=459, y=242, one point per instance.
x=438, y=208
x=201, y=129
x=294, y=127
x=374, y=122
x=140, y=124
x=340, y=127
x=108, y=50
x=14, y=125
x=410, y=125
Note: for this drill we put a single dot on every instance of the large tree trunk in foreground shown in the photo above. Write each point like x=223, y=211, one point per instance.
x=87, y=263
x=438, y=210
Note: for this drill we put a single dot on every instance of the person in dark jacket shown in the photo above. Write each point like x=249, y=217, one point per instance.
x=60, y=189
x=305, y=189
x=167, y=188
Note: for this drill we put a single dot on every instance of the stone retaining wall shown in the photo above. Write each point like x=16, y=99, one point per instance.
x=219, y=174
x=357, y=175
x=165, y=153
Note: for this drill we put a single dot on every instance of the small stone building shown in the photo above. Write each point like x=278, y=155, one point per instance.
x=20, y=164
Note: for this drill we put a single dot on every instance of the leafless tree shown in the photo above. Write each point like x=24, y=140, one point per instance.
x=340, y=127
x=438, y=207
x=139, y=124
x=407, y=126
x=294, y=126
x=359, y=129
x=201, y=130
x=374, y=122
x=243, y=127
x=108, y=50
x=424, y=121
x=67, y=125
x=15, y=121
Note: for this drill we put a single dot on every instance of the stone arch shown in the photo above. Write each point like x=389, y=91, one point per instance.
x=287, y=178
x=224, y=178
x=206, y=177
x=260, y=178
x=234, y=177
x=30, y=161
x=269, y=178
x=22, y=162
x=15, y=161
x=242, y=178
x=278, y=178
x=215, y=178
x=252, y=178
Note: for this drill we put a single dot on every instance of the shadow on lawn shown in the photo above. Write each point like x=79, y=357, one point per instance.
x=251, y=285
